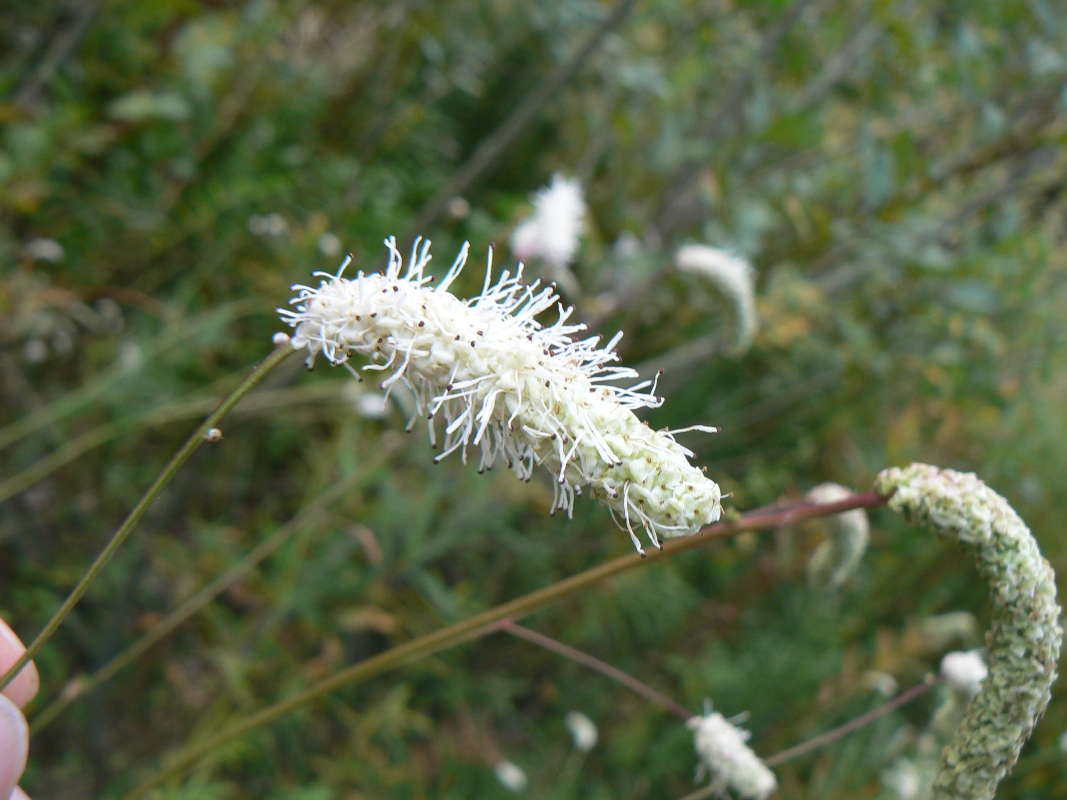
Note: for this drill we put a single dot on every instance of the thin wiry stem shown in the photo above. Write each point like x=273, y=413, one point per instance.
x=102, y=434
x=488, y=621
x=842, y=731
x=835, y=734
x=81, y=687
x=120, y=536
x=77, y=399
x=723, y=116
x=594, y=663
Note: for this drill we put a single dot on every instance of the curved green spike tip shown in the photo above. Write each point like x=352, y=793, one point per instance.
x=1025, y=638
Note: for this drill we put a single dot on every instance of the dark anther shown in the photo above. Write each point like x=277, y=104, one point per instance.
x=422, y=323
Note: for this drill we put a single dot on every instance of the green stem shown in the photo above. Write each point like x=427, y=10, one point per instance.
x=487, y=622
x=73, y=401
x=594, y=663
x=81, y=687
x=181, y=410
x=120, y=536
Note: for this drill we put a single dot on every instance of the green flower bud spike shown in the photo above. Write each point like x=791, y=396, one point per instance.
x=1025, y=639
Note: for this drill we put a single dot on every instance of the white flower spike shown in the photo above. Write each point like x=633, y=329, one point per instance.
x=514, y=389
x=1025, y=639
x=510, y=776
x=732, y=276
x=583, y=730
x=836, y=558
x=724, y=753
x=964, y=672
x=551, y=232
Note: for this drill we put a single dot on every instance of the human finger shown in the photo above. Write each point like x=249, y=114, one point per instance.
x=24, y=687
x=14, y=746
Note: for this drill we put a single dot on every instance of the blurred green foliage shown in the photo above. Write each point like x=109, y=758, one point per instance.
x=895, y=170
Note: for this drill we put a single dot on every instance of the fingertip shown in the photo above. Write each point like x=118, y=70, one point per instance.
x=14, y=747
x=23, y=688
x=18, y=794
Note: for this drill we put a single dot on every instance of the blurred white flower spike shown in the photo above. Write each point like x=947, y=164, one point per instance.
x=511, y=776
x=724, y=754
x=583, y=730
x=517, y=391
x=836, y=558
x=551, y=232
x=731, y=276
x=964, y=672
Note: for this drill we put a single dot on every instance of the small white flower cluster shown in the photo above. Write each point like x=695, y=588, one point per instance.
x=904, y=780
x=511, y=776
x=835, y=559
x=733, y=277
x=48, y=320
x=964, y=672
x=724, y=754
x=268, y=225
x=583, y=730
x=551, y=232
x=515, y=390
x=45, y=250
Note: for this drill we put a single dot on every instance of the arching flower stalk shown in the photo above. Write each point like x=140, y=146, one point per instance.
x=836, y=558
x=733, y=278
x=509, y=387
x=1024, y=643
x=725, y=754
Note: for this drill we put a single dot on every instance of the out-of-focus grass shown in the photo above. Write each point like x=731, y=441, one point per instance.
x=894, y=172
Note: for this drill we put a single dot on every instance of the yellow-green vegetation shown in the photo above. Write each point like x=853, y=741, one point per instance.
x=894, y=172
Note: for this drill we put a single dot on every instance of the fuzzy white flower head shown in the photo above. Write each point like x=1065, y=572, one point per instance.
x=731, y=275
x=551, y=232
x=583, y=730
x=511, y=388
x=510, y=776
x=725, y=755
x=964, y=672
